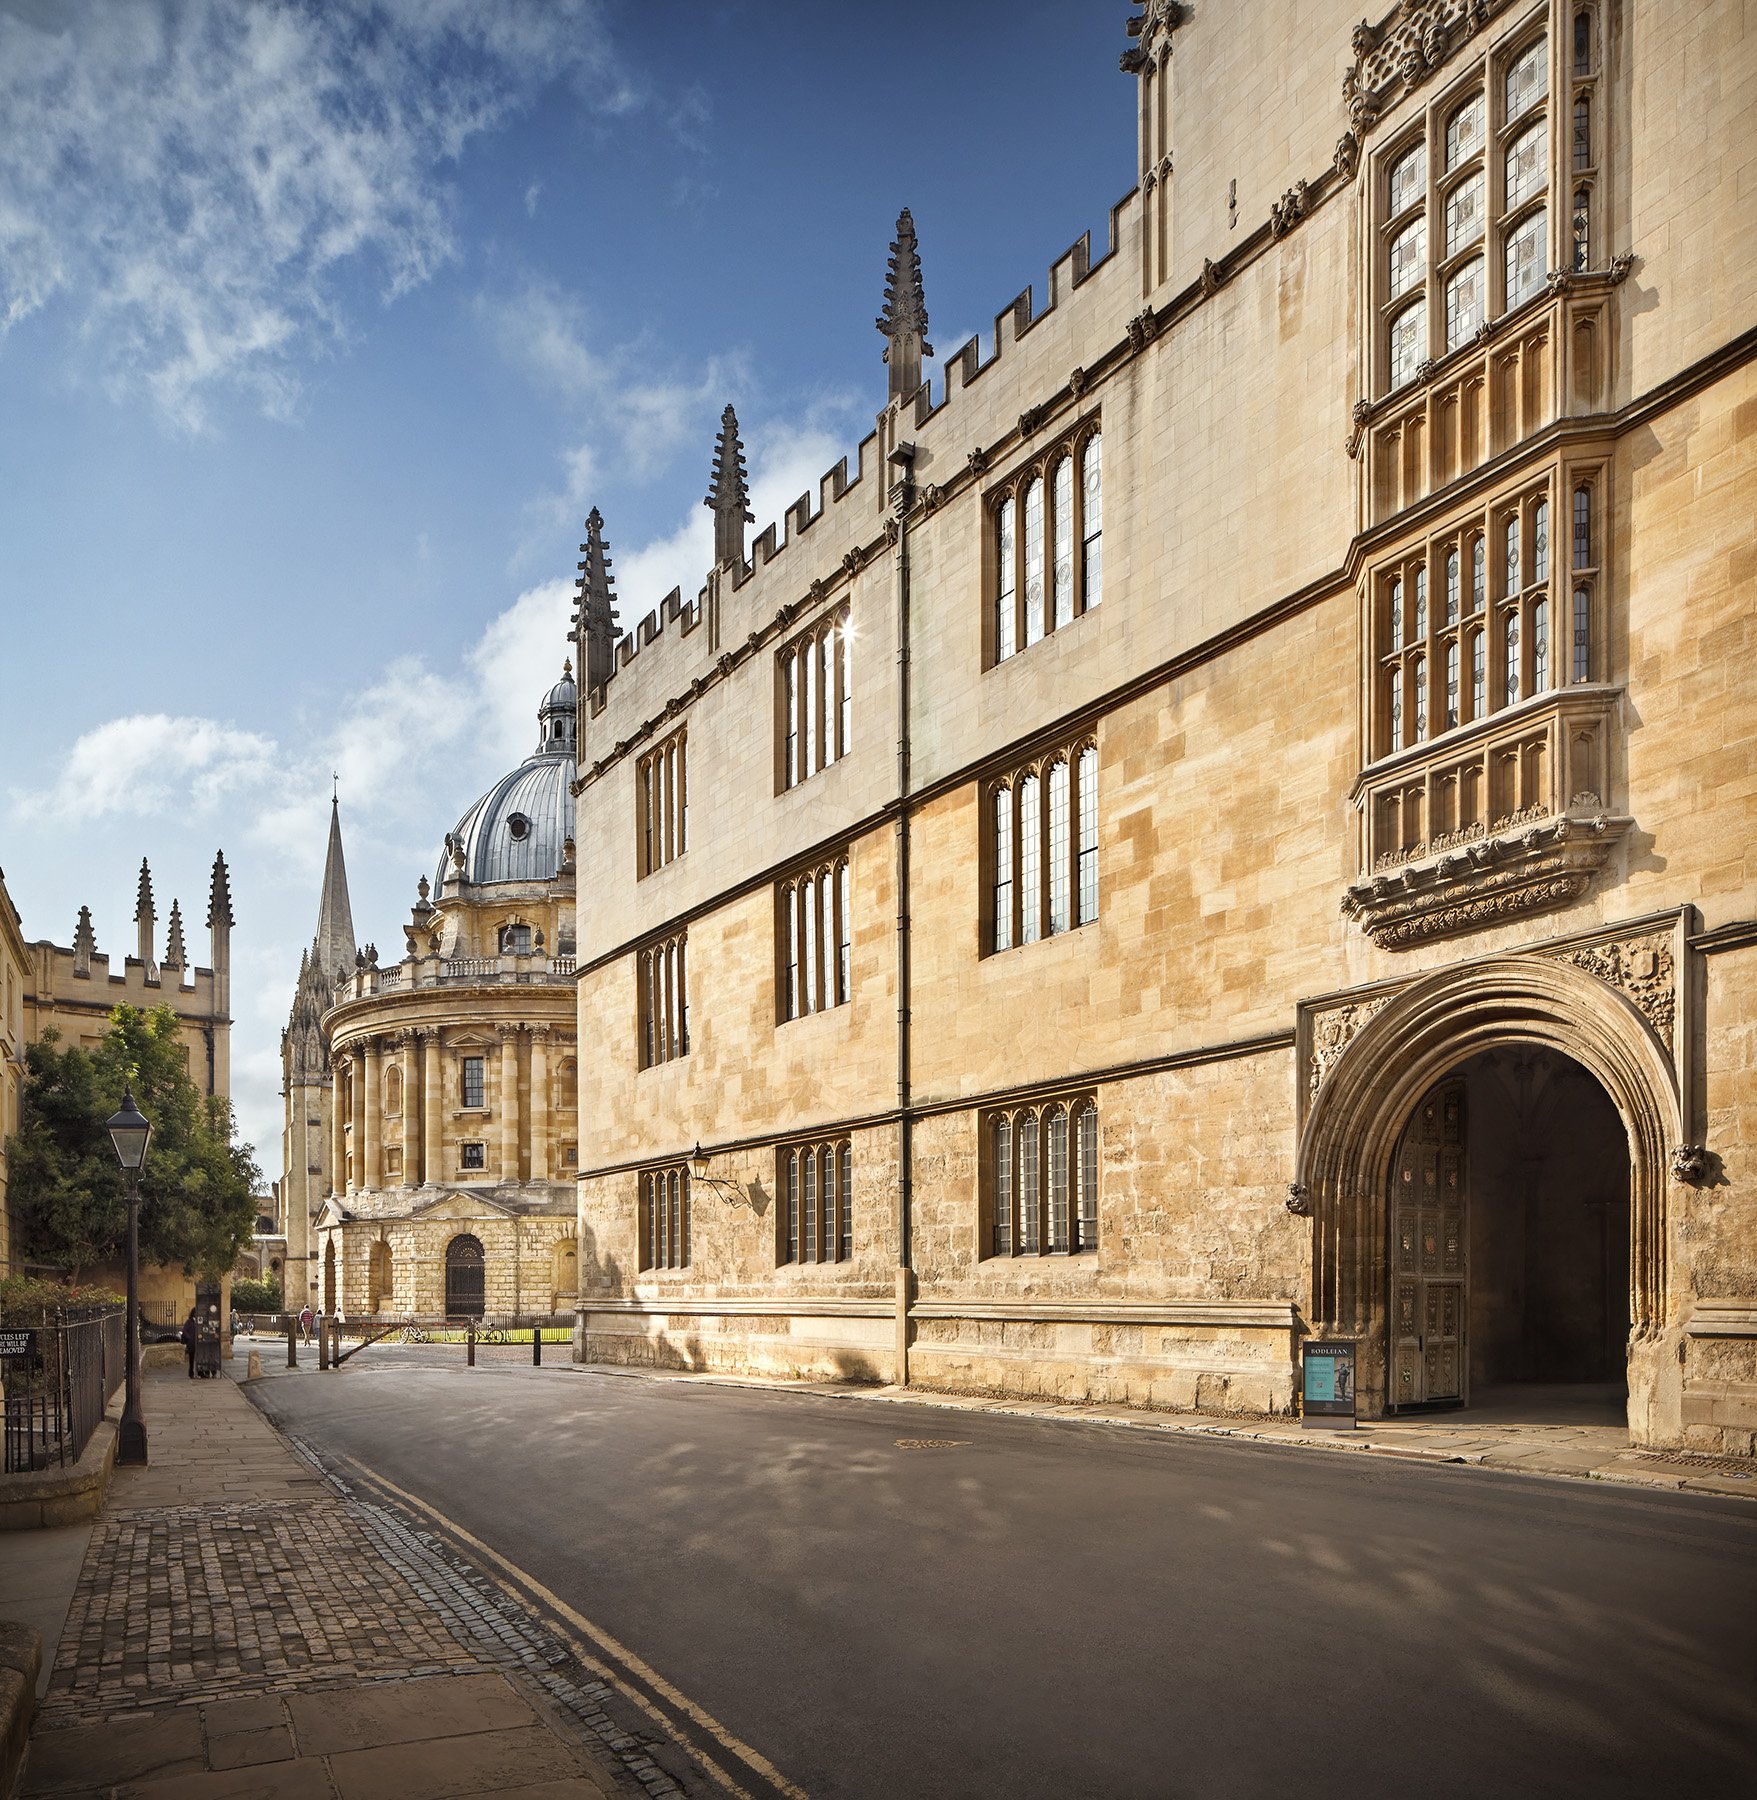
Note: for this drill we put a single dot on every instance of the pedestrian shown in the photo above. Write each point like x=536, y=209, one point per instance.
x=305, y=1323
x=190, y=1332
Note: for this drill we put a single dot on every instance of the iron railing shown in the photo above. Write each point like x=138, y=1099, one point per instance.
x=58, y=1381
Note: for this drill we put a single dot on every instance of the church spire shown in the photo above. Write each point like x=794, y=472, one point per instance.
x=333, y=948
x=904, y=319
x=595, y=622
x=729, y=495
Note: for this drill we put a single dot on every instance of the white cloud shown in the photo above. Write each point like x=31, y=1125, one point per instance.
x=531, y=194
x=151, y=763
x=190, y=177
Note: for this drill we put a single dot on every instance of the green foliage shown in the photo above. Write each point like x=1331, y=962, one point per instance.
x=68, y=1193
x=26, y=1299
x=256, y=1296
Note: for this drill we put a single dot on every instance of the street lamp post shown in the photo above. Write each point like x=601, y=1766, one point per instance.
x=129, y=1131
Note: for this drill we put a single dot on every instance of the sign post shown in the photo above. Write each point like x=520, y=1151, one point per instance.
x=1327, y=1385
x=18, y=1342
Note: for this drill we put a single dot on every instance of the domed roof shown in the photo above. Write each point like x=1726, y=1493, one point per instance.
x=516, y=831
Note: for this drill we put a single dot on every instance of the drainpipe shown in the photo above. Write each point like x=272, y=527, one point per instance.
x=902, y=458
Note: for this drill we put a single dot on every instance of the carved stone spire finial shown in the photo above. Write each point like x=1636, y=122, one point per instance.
x=145, y=916
x=595, y=617
x=85, y=943
x=176, y=956
x=219, y=894
x=729, y=494
x=904, y=319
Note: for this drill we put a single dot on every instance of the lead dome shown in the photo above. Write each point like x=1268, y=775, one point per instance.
x=518, y=830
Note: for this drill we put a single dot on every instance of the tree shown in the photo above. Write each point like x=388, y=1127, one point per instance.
x=68, y=1193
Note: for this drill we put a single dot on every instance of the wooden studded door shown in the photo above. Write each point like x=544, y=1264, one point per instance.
x=1429, y=1300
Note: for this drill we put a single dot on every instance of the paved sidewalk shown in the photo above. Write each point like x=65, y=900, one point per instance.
x=1566, y=1431
x=241, y=1632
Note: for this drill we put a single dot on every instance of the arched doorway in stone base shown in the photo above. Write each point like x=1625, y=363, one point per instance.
x=1496, y=1036
x=465, y=1278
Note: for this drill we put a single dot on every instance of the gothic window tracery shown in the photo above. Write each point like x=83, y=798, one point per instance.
x=816, y=1218
x=1039, y=1172
x=663, y=1222
x=662, y=786
x=1045, y=542
x=815, y=933
x=662, y=978
x=816, y=698
x=1040, y=848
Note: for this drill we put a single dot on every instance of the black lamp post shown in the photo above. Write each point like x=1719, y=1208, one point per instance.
x=129, y=1130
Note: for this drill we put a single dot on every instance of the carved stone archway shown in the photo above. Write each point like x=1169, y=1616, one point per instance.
x=1413, y=1039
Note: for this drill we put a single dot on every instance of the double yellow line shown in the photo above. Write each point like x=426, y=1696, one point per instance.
x=612, y=1662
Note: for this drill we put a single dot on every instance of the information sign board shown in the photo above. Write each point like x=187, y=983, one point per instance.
x=1327, y=1385
x=17, y=1342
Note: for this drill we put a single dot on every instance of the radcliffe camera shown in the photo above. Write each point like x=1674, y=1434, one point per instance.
x=878, y=917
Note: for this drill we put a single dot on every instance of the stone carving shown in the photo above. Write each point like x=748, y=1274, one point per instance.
x=1403, y=50
x=1077, y=382
x=1347, y=157
x=1333, y=1032
x=1159, y=18
x=1639, y=968
x=1299, y=1199
x=1143, y=328
x=1212, y=280
x=1690, y=1164
x=854, y=558
x=1289, y=209
x=893, y=530
x=1621, y=264
x=1559, y=282
x=1029, y=420
x=1484, y=882
x=978, y=461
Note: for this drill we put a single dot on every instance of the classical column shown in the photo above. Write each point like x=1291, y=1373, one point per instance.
x=539, y=1102
x=338, y=1137
x=509, y=1103
x=357, y=1088
x=373, y=1165
x=432, y=1091
x=411, y=1137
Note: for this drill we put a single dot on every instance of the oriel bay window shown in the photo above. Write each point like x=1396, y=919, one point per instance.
x=1046, y=543
x=664, y=1218
x=815, y=1217
x=815, y=939
x=1040, y=1178
x=1463, y=207
x=1491, y=614
x=816, y=697
x=662, y=789
x=1489, y=643
x=1040, y=827
x=662, y=977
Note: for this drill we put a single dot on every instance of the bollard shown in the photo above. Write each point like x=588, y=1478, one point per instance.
x=253, y=1371
x=292, y=1342
x=323, y=1345
x=335, y=1345
x=470, y=1346
x=536, y=1346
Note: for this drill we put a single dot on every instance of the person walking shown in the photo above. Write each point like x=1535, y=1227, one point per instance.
x=190, y=1333
x=305, y=1323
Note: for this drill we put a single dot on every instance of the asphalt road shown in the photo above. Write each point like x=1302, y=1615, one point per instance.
x=1057, y=1609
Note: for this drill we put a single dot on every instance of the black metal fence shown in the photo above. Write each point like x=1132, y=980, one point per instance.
x=58, y=1377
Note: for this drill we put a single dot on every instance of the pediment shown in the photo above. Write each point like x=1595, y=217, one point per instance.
x=331, y=1213
x=462, y=1206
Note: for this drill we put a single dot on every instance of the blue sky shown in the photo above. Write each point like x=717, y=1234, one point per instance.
x=322, y=326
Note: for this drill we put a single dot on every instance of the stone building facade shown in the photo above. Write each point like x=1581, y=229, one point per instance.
x=1231, y=824
x=72, y=990
x=446, y=1139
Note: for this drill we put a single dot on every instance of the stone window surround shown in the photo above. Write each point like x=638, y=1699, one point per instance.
x=662, y=1222
x=1036, y=1237
x=830, y=977
x=1484, y=78
x=1082, y=895
x=814, y=699
x=662, y=1000
x=662, y=804
x=800, y=1167
x=1072, y=446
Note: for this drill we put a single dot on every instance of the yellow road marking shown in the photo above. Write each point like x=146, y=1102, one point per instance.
x=609, y=1645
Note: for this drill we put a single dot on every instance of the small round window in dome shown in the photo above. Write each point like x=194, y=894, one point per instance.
x=519, y=825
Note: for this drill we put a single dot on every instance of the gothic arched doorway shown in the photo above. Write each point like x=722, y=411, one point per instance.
x=1508, y=1209
x=465, y=1284
x=1582, y=1044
